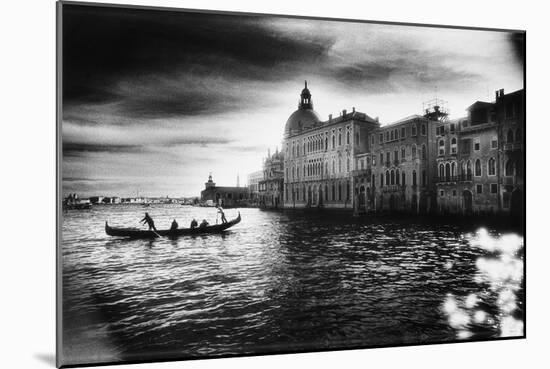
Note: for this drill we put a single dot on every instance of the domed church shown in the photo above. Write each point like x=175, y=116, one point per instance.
x=303, y=118
x=320, y=156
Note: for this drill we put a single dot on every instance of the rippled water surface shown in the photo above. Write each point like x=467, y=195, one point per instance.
x=278, y=281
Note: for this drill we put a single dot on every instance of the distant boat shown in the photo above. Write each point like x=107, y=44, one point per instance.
x=140, y=233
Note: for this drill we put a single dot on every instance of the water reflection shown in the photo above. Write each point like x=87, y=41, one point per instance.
x=279, y=281
x=495, y=310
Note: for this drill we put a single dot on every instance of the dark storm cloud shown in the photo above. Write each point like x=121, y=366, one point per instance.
x=517, y=39
x=105, y=46
x=80, y=149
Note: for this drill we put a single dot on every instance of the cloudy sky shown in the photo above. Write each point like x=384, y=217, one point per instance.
x=153, y=100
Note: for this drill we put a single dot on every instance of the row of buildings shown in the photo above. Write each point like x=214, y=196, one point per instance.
x=420, y=164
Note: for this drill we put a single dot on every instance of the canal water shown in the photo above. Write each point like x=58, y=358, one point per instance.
x=281, y=281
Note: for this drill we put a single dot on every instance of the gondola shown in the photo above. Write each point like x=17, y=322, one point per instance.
x=140, y=233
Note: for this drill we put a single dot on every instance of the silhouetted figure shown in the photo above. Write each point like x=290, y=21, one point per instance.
x=174, y=225
x=220, y=210
x=204, y=224
x=147, y=219
x=194, y=223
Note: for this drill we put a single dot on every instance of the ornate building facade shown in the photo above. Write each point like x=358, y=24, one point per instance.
x=271, y=184
x=319, y=156
x=419, y=164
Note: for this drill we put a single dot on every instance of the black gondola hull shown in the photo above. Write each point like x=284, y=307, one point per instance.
x=139, y=233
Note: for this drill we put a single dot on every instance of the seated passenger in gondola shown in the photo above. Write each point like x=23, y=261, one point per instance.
x=194, y=223
x=174, y=225
x=204, y=224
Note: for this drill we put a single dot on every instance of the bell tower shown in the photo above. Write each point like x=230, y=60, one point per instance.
x=305, y=99
x=210, y=183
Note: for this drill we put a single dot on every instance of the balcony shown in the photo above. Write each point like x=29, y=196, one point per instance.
x=360, y=172
x=448, y=179
x=512, y=146
x=393, y=188
x=465, y=177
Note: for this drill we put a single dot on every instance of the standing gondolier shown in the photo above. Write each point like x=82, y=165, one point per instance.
x=220, y=210
x=147, y=219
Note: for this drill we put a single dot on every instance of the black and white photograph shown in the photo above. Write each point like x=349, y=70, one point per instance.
x=236, y=184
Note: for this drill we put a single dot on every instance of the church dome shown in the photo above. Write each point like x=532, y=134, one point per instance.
x=304, y=117
x=300, y=119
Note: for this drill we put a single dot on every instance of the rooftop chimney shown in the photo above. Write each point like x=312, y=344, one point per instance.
x=330, y=117
x=353, y=109
x=344, y=112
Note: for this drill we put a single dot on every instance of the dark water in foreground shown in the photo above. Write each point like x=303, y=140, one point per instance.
x=281, y=282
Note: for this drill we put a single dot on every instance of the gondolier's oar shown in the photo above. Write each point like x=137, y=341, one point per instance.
x=152, y=230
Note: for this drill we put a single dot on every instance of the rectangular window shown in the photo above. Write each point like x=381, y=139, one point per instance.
x=494, y=188
x=479, y=188
x=452, y=127
x=387, y=136
x=403, y=132
x=477, y=144
x=413, y=128
x=465, y=146
x=372, y=140
x=494, y=142
x=381, y=138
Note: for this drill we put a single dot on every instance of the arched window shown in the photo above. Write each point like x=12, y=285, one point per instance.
x=347, y=165
x=339, y=139
x=509, y=168
x=477, y=172
x=333, y=194
x=387, y=177
x=510, y=136
x=391, y=136
x=453, y=145
x=403, y=179
x=347, y=137
x=333, y=141
x=414, y=178
x=441, y=147
x=413, y=130
x=441, y=171
x=424, y=154
x=340, y=191
x=469, y=169
x=397, y=176
x=453, y=169
x=403, y=153
x=491, y=167
x=414, y=151
x=392, y=177
x=339, y=165
x=326, y=192
x=447, y=172
x=423, y=130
